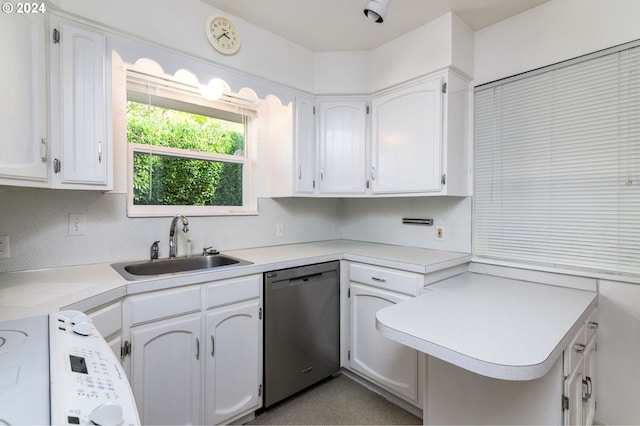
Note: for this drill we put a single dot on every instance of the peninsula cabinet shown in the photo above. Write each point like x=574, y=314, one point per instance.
x=342, y=146
x=419, y=137
x=23, y=113
x=196, y=352
x=579, y=398
x=80, y=107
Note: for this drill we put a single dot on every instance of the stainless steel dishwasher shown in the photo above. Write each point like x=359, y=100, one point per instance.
x=301, y=328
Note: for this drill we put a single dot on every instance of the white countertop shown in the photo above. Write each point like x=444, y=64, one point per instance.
x=44, y=291
x=497, y=327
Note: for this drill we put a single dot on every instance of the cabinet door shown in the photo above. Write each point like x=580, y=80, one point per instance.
x=23, y=110
x=342, y=147
x=165, y=370
x=387, y=363
x=233, y=361
x=573, y=387
x=305, y=146
x=406, y=138
x=108, y=321
x=589, y=397
x=79, y=106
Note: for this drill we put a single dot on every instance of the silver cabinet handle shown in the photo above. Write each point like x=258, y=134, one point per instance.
x=579, y=348
x=373, y=173
x=592, y=325
x=43, y=150
x=589, y=385
x=322, y=174
x=213, y=345
x=100, y=152
x=299, y=172
x=197, y=348
x=378, y=278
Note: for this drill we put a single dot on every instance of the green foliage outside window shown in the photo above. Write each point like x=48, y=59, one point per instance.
x=165, y=179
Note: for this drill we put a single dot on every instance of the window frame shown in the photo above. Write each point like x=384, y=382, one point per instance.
x=165, y=92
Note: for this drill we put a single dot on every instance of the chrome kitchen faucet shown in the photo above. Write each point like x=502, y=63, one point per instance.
x=173, y=243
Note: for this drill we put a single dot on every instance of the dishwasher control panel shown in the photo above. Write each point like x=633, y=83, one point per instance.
x=88, y=384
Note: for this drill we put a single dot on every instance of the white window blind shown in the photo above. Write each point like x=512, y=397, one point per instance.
x=557, y=165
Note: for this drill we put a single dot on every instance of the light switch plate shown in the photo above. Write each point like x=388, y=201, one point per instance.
x=4, y=247
x=77, y=224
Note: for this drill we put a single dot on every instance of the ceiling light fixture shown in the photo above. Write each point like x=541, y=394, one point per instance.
x=376, y=9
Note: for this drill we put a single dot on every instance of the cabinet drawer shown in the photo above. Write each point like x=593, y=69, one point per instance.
x=574, y=353
x=578, y=346
x=591, y=326
x=108, y=320
x=234, y=290
x=388, y=279
x=164, y=304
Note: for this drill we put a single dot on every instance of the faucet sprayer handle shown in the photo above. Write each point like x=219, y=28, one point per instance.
x=154, y=250
x=209, y=251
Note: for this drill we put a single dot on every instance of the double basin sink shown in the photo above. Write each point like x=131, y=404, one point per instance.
x=141, y=269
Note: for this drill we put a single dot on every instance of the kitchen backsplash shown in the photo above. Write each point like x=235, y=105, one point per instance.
x=37, y=223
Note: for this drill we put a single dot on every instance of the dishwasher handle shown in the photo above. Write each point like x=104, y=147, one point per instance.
x=277, y=285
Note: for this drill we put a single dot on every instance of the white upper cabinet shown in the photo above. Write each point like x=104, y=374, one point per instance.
x=343, y=146
x=419, y=137
x=406, y=139
x=23, y=112
x=416, y=141
x=81, y=137
x=305, y=145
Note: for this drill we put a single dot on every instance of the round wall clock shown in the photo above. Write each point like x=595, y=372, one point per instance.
x=223, y=35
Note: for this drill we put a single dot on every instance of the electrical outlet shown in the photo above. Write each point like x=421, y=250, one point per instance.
x=77, y=224
x=4, y=247
x=440, y=233
x=280, y=230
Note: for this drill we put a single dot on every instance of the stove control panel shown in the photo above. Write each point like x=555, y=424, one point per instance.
x=88, y=384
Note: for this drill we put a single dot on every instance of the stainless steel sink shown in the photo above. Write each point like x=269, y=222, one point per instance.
x=140, y=269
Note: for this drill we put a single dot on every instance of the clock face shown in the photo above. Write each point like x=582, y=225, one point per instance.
x=223, y=35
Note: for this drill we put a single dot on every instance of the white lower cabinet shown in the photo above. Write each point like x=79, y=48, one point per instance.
x=392, y=366
x=108, y=321
x=233, y=382
x=166, y=371
x=196, y=352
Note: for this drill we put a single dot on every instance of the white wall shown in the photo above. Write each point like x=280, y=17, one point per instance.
x=556, y=31
x=380, y=220
x=37, y=223
x=180, y=25
x=444, y=42
x=553, y=32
